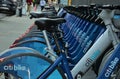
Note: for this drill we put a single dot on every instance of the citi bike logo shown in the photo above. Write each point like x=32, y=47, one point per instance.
x=111, y=67
x=14, y=67
x=92, y=58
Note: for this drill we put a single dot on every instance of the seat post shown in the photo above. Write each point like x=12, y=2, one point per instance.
x=50, y=50
x=46, y=39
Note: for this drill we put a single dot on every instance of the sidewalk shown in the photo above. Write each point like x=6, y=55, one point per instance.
x=11, y=28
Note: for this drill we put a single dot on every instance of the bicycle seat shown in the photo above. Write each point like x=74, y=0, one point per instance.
x=42, y=14
x=48, y=23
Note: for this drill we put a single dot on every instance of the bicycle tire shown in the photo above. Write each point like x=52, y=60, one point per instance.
x=117, y=69
x=34, y=44
x=35, y=55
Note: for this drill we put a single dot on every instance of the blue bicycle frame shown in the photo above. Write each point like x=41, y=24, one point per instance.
x=61, y=58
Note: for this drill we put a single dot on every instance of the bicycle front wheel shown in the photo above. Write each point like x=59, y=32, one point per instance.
x=116, y=73
x=29, y=66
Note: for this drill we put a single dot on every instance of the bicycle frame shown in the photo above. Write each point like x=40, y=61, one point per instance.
x=61, y=58
x=93, y=53
x=99, y=46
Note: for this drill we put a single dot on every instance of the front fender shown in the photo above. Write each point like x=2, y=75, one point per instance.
x=21, y=66
x=17, y=50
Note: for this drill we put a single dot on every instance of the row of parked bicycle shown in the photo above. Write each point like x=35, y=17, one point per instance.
x=66, y=45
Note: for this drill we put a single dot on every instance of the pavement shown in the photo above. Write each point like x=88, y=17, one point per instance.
x=11, y=27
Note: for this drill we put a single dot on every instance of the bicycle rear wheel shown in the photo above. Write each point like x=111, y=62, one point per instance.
x=29, y=66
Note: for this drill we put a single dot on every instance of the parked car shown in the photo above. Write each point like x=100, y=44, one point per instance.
x=8, y=7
